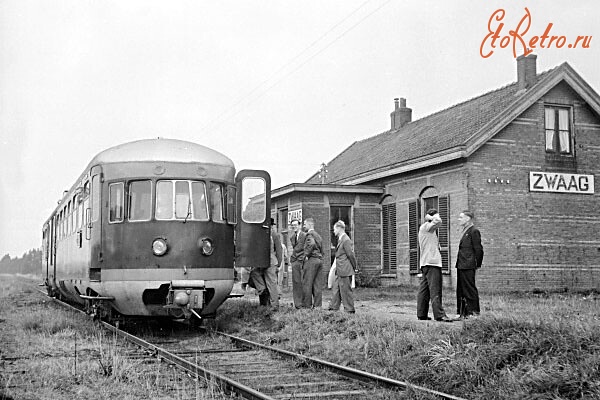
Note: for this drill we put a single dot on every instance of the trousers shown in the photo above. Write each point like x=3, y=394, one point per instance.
x=342, y=293
x=430, y=289
x=312, y=283
x=265, y=281
x=297, y=290
x=467, y=296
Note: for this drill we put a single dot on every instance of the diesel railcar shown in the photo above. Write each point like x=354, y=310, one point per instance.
x=153, y=228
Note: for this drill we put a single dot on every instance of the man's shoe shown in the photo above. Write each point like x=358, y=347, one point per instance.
x=444, y=319
x=424, y=318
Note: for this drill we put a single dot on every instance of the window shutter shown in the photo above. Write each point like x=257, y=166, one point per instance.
x=413, y=236
x=389, y=239
x=444, y=232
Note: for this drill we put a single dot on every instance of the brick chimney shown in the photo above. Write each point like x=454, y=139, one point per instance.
x=401, y=114
x=526, y=71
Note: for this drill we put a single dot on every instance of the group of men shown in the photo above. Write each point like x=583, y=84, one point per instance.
x=307, y=266
x=306, y=260
x=469, y=259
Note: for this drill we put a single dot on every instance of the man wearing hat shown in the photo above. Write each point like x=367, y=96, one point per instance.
x=469, y=259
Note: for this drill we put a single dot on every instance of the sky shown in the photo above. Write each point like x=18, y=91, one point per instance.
x=277, y=85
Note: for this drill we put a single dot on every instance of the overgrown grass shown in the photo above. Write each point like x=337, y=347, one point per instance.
x=62, y=354
x=524, y=346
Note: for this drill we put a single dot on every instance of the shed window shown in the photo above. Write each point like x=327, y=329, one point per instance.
x=140, y=201
x=558, y=130
x=116, y=202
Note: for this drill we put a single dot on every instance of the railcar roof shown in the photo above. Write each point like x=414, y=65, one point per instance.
x=168, y=150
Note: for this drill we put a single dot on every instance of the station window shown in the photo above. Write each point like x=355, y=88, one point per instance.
x=140, y=201
x=558, y=130
x=216, y=202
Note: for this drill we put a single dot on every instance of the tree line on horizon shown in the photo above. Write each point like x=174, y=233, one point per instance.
x=29, y=263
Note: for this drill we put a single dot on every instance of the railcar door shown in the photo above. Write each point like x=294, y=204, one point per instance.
x=252, y=235
x=94, y=225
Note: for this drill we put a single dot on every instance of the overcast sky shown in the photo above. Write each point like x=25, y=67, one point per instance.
x=275, y=85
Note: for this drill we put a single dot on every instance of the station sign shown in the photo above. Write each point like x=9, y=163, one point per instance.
x=557, y=182
x=295, y=214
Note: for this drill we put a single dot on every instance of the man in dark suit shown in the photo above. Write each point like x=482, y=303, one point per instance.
x=345, y=268
x=469, y=259
x=297, y=259
x=312, y=279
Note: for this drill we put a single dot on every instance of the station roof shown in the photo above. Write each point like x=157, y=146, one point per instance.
x=453, y=133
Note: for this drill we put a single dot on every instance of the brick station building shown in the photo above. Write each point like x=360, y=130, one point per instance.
x=523, y=157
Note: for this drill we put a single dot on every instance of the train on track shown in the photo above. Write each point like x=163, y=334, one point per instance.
x=153, y=228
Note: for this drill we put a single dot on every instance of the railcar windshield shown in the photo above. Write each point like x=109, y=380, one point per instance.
x=181, y=200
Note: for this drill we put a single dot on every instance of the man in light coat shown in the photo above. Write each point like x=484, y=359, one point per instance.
x=345, y=268
x=431, y=265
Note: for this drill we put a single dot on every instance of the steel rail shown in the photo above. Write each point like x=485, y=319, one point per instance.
x=340, y=369
x=247, y=392
x=224, y=382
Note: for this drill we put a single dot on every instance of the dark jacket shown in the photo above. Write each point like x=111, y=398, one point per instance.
x=345, y=261
x=297, y=247
x=313, y=245
x=470, y=251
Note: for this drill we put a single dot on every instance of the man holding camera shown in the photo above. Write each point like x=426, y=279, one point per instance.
x=431, y=266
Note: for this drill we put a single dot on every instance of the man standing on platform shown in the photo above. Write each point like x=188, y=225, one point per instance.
x=297, y=259
x=312, y=279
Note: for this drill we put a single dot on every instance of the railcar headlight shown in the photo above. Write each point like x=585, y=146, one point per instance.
x=159, y=247
x=206, y=246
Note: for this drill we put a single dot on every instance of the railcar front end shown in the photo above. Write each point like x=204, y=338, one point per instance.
x=149, y=230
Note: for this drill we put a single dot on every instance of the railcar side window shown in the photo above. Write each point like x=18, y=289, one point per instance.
x=115, y=212
x=95, y=197
x=200, y=205
x=216, y=202
x=231, y=205
x=140, y=201
x=253, y=200
x=164, y=200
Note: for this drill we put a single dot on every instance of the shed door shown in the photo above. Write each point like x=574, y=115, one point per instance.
x=254, y=215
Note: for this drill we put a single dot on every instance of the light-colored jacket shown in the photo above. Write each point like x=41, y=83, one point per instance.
x=344, y=257
x=429, y=244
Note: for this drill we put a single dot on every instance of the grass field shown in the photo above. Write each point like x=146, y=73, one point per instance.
x=524, y=346
x=49, y=353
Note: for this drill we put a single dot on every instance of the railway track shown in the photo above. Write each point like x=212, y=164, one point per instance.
x=256, y=371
